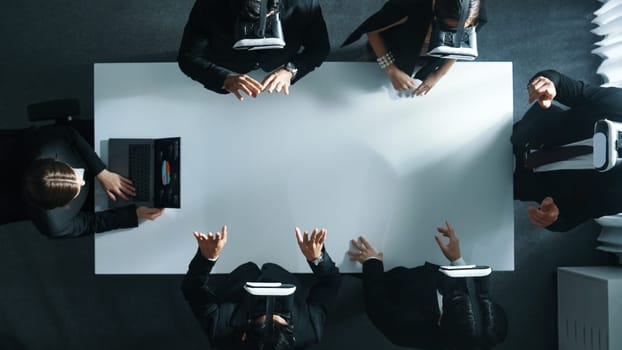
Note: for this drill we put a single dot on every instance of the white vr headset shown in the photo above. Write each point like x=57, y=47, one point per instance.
x=607, y=144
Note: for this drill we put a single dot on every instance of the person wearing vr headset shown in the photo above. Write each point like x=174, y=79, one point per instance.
x=57, y=171
x=568, y=195
x=399, y=35
x=230, y=322
x=422, y=308
x=224, y=40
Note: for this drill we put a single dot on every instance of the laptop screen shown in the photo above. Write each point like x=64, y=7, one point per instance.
x=167, y=173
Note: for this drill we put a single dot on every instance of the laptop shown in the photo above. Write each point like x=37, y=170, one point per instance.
x=153, y=167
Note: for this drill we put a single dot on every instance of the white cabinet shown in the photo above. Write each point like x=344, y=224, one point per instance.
x=589, y=301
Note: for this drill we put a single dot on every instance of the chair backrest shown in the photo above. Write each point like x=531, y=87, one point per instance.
x=63, y=109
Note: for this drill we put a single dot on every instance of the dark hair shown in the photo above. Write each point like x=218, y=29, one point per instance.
x=458, y=322
x=251, y=9
x=453, y=9
x=494, y=322
x=268, y=336
x=49, y=183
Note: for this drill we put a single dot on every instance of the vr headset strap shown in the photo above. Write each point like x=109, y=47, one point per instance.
x=263, y=12
x=463, y=16
x=473, y=295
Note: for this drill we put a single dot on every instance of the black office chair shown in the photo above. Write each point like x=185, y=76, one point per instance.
x=62, y=112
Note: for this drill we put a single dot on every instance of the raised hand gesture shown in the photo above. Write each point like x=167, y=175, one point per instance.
x=451, y=249
x=211, y=244
x=311, y=246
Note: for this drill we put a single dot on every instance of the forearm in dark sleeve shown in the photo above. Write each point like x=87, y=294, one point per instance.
x=315, y=42
x=195, y=289
x=112, y=219
x=377, y=304
x=92, y=160
x=570, y=92
x=324, y=291
x=87, y=223
x=193, y=50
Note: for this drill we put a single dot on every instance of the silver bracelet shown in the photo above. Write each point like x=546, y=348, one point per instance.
x=385, y=60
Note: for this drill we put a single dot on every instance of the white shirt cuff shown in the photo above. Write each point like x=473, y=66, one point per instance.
x=458, y=262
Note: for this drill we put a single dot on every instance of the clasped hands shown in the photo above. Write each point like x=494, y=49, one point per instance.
x=211, y=244
x=451, y=249
x=278, y=81
x=403, y=82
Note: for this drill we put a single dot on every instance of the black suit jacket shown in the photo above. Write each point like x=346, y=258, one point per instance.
x=206, y=54
x=222, y=311
x=402, y=303
x=406, y=39
x=580, y=194
x=65, y=144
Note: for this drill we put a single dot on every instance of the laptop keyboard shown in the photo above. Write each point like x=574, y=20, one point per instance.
x=140, y=170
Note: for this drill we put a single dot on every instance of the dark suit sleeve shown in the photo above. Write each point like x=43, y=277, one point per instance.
x=316, y=45
x=54, y=225
x=382, y=312
x=202, y=301
x=323, y=293
x=86, y=152
x=194, y=46
x=573, y=93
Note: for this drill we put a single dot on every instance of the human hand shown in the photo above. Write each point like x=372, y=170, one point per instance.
x=148, y=213
x=211, y=244
x=278, y=80
x=428, y=84
x=311, y=247
x=400, y=80
x=451, y=250
x=543, y=90
x=544, y=216
x=114, y=183
x=366, y=251
x=236, y=82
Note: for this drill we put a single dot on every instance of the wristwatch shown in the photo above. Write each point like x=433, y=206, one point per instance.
x=290, y=67
x=317, y=261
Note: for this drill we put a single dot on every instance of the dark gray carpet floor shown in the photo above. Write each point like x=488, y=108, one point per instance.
x=50, y=298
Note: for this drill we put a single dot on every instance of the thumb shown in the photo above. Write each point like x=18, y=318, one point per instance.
x=440, y=243
x=111, y=195
x=545, y=102
x=547, y=204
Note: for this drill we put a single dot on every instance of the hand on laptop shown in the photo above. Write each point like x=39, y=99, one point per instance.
x=115, y=184
x=148, y=213
x=211, y=244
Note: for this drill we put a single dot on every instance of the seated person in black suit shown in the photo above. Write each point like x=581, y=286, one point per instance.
x=223, y=314
x=567, y=197
x=399, y=36
x=420, y=307
x=207, y=55
x=55, y=192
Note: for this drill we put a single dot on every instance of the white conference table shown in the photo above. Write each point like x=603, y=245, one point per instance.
x=339, y=152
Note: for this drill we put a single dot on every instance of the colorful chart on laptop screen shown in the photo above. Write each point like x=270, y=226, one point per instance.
x=166, y=172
